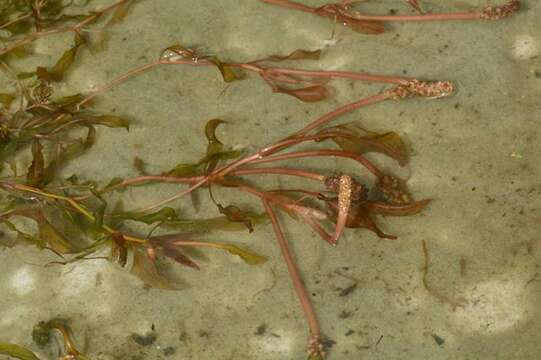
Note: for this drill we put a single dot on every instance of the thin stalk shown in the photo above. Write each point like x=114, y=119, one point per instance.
x=318, y=153
x=487, y=13
x=304, y=299
x=374, y=99
x=280, y=171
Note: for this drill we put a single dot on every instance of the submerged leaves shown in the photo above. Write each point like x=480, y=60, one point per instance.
x=215, y=153
x=353, y=138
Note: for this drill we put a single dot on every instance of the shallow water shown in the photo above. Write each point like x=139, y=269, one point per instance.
x=476, y=154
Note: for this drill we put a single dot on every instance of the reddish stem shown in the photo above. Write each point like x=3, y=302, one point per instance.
x=487, y=13
x=317, y=153
x=374, y=99
x=298, y=285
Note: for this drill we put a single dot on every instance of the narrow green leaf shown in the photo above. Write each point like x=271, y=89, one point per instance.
x=17, y=352
x=164, y=214
x=184, y=170
x=105, y=120
x=249, y=257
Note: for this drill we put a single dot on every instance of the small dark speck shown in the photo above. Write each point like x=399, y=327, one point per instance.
x=439, y=340
x=124, y=38
x=168, y=351
x=350, y=332
x=144, y=340
x=457, y=105
x=404, y=71
x=204, y=334
x=344, y=314
x=261, y=330
x=348, y=290
x=313, y=294
x=393, y=12
x=473, y=188
x=537, y=74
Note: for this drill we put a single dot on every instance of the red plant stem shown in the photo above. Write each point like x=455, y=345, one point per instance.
x=280, y=171
x=473, y=15
x=291, y=5
x=318, y=153
x=374, y=99
x=175, y=196
x=476, y=15
x=298, y=285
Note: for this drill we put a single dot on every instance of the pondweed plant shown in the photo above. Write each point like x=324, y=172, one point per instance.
x=75, y=218
x=343, y=12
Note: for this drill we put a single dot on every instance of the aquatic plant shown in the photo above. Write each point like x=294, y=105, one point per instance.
x=75, y=218
x=343, y=13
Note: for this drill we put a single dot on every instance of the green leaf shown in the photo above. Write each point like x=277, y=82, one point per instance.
x=184, y=170
x=105, y=120
x=17, y=352
x=68, y=103
x=164, y=214
x=217, y=223
x=248, y=257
